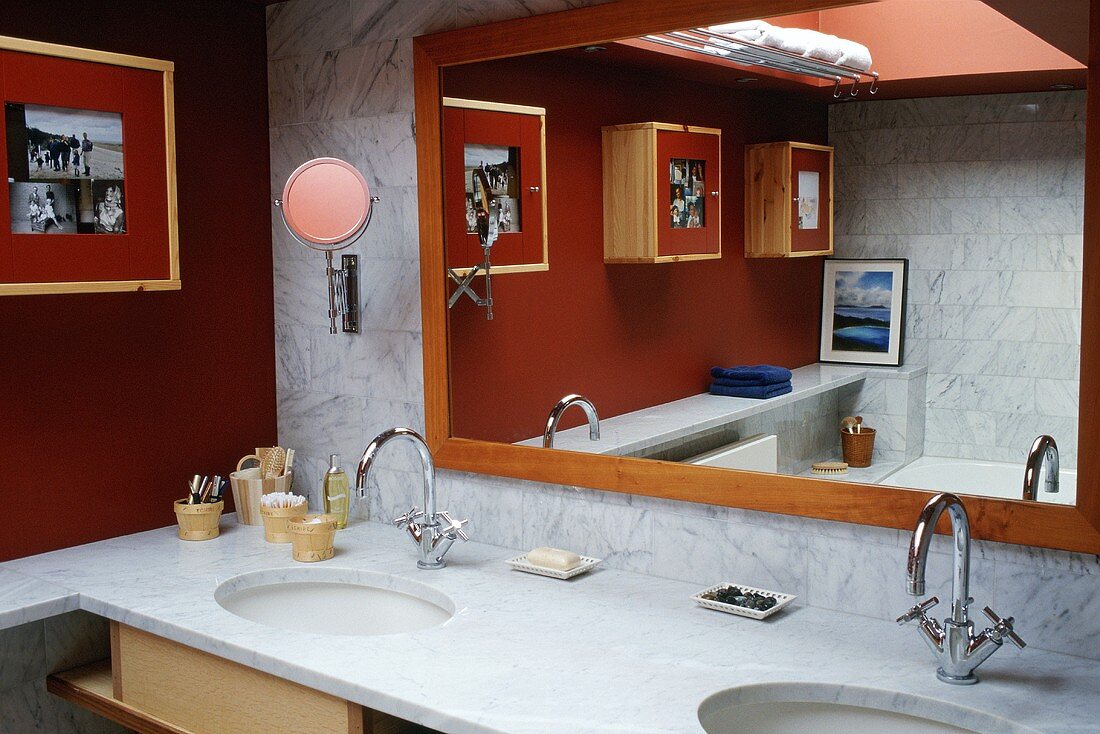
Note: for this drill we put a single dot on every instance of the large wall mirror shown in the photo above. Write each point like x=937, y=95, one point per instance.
x=896, y=223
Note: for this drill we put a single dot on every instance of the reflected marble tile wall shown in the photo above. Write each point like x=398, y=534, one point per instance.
x=983, y=194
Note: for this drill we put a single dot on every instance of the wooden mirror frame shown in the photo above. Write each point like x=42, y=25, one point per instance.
x=1011, y=521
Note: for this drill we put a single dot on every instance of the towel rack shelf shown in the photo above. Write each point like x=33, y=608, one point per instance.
x=707, y=43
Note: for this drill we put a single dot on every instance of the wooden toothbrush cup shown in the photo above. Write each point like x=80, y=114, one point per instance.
x=312, y=541
x=198, y=522
x=275, y=521
x=248, y=488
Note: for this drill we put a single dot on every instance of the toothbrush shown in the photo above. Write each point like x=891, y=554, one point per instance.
x=194, y=491
x=210, y=489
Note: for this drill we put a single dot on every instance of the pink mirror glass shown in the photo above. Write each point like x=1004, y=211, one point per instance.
x=326, y=203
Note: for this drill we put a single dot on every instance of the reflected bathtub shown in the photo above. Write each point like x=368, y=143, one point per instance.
x=975, y=477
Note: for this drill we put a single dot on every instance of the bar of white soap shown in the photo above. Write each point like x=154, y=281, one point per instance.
x=554, y=558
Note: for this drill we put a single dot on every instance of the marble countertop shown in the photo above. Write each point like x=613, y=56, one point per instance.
x=609, y=651
x=27, y=599
x=634, y=432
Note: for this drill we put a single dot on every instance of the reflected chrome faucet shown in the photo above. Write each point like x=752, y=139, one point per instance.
x=427, y=528
x=956, y=647
x=555, y=416
x=1043, y=451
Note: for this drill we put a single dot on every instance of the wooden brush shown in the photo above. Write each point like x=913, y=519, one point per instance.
x=273, y=462
x=829, y=467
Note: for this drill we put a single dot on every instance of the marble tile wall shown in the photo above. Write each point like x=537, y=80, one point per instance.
x=28, y=653
x=336, y=392
x=983, y=195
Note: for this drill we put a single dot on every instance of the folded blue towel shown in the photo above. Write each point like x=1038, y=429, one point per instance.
x=759, y=392
x=745, y=383
x=761, y=374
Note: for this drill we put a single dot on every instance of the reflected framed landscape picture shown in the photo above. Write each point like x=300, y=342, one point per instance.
x=863, y=311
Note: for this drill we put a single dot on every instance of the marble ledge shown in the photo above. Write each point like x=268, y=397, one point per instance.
x=873, y=474
x=26, y=599
x=634, y=432
x=611, y=651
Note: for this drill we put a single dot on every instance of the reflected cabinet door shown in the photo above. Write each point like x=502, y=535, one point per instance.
x=788, y=200
x=688, y=184
x=500, y=146
x=662, y=193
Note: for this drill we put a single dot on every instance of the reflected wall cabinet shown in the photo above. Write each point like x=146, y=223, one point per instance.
x=788, y=200
x=661, y=193
x=505, y=146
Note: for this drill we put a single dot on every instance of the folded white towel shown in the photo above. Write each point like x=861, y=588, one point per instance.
x=816, y=45
x=792, y=40
x=825, y=50
x=740, y=26
x=855, y=55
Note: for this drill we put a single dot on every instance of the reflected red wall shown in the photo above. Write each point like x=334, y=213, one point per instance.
x=110, y=402
x=626, y=336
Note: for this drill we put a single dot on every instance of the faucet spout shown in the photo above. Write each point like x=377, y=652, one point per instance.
x=1043, y=451
x=556, y=412
x=922, y=540
x=370, y=455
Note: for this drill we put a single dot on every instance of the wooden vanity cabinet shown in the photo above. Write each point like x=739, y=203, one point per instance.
x=662, y=193
x=788, y=200
x=155, y=686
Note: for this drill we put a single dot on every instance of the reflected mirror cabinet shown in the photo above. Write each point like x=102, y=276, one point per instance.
x=906, y=237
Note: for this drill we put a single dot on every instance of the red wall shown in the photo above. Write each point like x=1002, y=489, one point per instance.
x=626, y=336
x=110, y=402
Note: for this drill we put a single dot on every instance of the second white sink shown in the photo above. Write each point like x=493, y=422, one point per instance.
x=334, y=601
x=794, y=708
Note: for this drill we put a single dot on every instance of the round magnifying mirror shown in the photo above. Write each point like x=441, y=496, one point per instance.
x=326, y=204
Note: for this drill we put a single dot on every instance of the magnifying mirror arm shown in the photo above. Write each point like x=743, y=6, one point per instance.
x=487, y=233
x=343, y=282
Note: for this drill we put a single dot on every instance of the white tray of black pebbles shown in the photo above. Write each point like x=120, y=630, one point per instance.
x=744, y=601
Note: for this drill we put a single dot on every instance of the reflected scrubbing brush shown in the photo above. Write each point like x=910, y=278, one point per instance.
x=829, y=467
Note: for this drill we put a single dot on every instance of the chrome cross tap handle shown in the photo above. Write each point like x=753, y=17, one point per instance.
x=412, y=517
x=918, y=611
x=1003, y=629
x=453, y=528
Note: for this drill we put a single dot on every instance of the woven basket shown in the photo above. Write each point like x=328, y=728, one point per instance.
x=858, y=447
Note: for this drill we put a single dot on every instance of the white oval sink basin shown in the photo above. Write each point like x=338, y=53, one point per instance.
x=334, y=601
x=795, y=708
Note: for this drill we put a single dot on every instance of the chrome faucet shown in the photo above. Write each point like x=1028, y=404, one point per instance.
x=555, y=416
x=1043, y=451
x=957, y=649
x=433, y=532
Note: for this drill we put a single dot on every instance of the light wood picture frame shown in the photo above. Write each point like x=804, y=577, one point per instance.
x=144, y=256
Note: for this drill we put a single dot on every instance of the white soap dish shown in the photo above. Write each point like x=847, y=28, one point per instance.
x=519, y=563
x=781, y=600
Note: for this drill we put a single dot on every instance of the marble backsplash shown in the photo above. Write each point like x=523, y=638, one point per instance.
x=983, y=195
x=341, y=84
